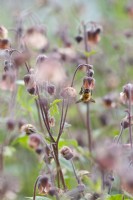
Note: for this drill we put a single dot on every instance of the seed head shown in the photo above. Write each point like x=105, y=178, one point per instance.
x=69, y=93
x=67, y=153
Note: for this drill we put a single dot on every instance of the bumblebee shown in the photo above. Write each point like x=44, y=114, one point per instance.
x=28, y=129
x=86, y=96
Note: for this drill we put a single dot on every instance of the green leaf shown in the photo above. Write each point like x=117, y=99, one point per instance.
x=23, y=140
x=38, y=198
x=88, y=54
x=54, y=110
x=115, y=197
x=56, y=101
x=66, y=164
x=67, y=142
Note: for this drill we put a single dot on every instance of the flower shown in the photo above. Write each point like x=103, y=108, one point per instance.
x=127, y=94
x=67, y=153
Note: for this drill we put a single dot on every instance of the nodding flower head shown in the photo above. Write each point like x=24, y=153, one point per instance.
x=49, y=70
x=69, y=93
x=93, y=34
x=51, y=89
x=35, y=38
x=79, y=38
x=88, y=83
x=44, y=185
x=30, y=83
x=10, y=124
x=41, y=58
x=34, y=140
x=67, y=153
x=3, y=32
x=125, y=122
x=127, y=94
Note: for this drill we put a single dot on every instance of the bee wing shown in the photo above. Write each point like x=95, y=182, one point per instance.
x=80, y=100
x=92, y=100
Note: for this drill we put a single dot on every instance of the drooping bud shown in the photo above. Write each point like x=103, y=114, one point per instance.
x=51, y=89
x=125, y=122
x=78, y=38
x=10, y=124
x=127, y=93
x=51, y=121
x=67, y=153
x=34, y=140
x=69, y=93
x=52, y=191
x=90, y=72
x=43, y=185
x=40, y=59
x=88, y=83
x=3, y=32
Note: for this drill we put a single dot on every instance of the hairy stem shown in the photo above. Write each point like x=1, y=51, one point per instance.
x=130, y=114
x=119, y=137
x=88, y=124
x=39, y=116
x=35, y=186
x=74, y=170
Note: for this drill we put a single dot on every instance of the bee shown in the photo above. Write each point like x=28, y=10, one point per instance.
x=86, y=96
x=28, y=129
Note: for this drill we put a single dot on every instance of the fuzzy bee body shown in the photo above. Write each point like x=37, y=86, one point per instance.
x=86, y=96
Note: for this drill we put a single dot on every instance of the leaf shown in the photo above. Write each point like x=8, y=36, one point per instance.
x=56, y=101
x=54, y=110
x=115, y=197
x=67, y=142
x=22, y=139
x=38, y=198
x=66, y=164
x=83, y=173
x=9, y=151
x=88, y=54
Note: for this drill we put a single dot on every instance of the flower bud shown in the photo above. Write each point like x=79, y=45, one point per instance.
x=32, y=90
x=51, y=89
x=21, y=122
x=127, y=93
x=10, y=124
x=34, y=140
x=66, y=152
x=43, y=180
x=4, y=44
x=39, y=150
x=125, y=122
x=69, y=93
x=3, y=32
x=51, y=121
x=90, y=72
x=41, y=58
x=44, y=185
x=52, y=191
x=78, y=38
x=27, y=78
